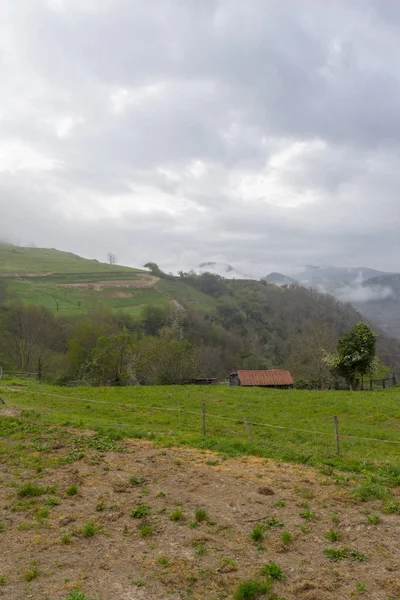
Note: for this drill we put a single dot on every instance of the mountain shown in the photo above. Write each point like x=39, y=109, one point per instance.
x=222, y=269
x=375, y=294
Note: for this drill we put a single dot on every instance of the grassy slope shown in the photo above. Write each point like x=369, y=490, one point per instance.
x=16, y=259
x=65, y=268
x=172, y=415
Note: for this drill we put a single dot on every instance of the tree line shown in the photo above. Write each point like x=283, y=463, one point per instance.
x=249, y=324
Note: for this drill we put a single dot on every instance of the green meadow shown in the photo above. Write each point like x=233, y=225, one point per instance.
x=288, y=425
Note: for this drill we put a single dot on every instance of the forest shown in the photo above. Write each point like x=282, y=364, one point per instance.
x=250, y=325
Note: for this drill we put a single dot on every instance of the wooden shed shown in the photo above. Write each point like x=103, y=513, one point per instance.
x=262, y=378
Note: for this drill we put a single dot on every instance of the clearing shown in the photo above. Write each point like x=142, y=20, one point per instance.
x=80, y=511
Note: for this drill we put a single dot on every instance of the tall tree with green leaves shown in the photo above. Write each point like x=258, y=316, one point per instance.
x=355, y=355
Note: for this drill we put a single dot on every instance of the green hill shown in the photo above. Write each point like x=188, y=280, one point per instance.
x=234, y=323
x=69, y=284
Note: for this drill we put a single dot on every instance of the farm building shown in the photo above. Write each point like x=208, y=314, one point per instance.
x=271, y=379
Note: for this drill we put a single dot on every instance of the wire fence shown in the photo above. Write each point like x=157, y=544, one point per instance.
x=202, y=424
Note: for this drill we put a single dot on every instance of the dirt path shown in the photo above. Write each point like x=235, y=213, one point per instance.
x=181, y=559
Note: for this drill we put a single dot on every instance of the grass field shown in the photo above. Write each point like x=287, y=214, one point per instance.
x=70, y=285
x=16, y=259
x=291, y=425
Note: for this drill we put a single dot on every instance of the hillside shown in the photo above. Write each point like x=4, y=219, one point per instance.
x=233, y=322
x=71, y=285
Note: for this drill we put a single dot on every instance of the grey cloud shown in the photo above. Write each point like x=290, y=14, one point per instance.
x=264, y=134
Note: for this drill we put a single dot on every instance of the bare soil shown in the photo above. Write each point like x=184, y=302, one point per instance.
x=145, y=281
x=180, y=560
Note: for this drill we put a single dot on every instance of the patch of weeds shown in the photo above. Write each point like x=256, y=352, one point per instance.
x=212, y=462
x=273, y=571
x=161, y=495
x=361, y=588
x=136, y=480
x=90, y=529
x=66, y=539
x=326, y=470
x=308, y=515
x=41, y=513
x=25, y=526
x=201, y=515
x=356, y=555
x=306, y=493
x=72, y=490
x=163, y=561
x=33, y=572
x=52, y=501
x=30, y=490
x=145, y=530
x=333, y=536
x=194, y=525
x=252, y=590
x=335, y=519
x=101, y=505
x=280, y=503
x=178, y=462
x=227, y=561
x=140, y=511
x=177, y=515
x=271, y=522
x=304, y=529
x=286, y=538
x=373, y=519
x=391, y=507
x=336, y=554
x=76, y=595
x=3, y=579
x=200, y=548
x=2, y=527
x=370, y=490
x=257, y=535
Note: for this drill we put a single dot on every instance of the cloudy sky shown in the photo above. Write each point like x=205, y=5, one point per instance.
x=263, y=133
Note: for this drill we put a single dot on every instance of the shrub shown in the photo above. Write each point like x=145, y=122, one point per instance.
x=90, y=529
x=140, y=511
x=52, y=501
x=336, y=554
x=252, y=590
x=177, y=515
x=75, y=595
x=201, y=515
x=286, y=538
x=333, y=536
x=72, y=490
x=257, y=535
x=145, y=530
x=30, y=490
x=32, y=573
x=273, y=571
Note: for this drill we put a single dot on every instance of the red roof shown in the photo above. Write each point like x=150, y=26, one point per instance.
x=275, y=377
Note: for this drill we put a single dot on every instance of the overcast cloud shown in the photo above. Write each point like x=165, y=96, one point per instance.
x=265, y=134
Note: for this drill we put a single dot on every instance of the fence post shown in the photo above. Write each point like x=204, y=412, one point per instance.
x=370, y=385
x=203, y=413
x=383, y=383
x=336, y=423
x=247, y=428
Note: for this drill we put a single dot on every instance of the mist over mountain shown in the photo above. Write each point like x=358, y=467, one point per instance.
x=375, y=294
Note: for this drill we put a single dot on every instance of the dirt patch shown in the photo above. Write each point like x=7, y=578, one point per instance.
x=9, y=411
x=177, y=556
x=146, y=281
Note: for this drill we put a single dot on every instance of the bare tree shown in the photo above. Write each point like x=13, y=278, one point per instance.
x=111, y=257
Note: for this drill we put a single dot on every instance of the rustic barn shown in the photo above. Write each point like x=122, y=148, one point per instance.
x=271, y=379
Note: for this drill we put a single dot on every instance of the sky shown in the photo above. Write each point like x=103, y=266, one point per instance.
x=264, y=134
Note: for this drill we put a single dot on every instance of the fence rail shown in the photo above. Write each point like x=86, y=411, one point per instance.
x=326, y=438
